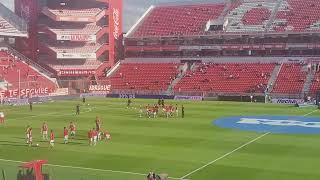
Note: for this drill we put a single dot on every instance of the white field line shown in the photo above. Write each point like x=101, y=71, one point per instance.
x=229, y=153
x=90, y=169
x=225, y=155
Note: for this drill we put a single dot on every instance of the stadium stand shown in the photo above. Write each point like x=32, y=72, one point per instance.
x=227, y=78
x=178, y=20
x=290, y=79
x=144, y=76
x=29, y=76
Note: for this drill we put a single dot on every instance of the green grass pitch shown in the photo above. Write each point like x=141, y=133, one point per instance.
x=174, y=146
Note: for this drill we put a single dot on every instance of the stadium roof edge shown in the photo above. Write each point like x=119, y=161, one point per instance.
x=131, y=30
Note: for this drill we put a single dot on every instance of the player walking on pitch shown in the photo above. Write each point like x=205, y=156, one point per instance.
x=72, y=128
x=30, y=137
x=51, y=142
x=65, y=135
x=44, y=131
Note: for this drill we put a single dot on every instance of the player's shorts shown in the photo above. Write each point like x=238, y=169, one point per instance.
x=95, y=138
x=73, y=132
x=108, y=136
x=66, y=137
x=51, y=141
x=45, y=132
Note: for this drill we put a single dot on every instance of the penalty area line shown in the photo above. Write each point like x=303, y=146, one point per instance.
x=229, y=153
x=90, y=169
x=225, y=155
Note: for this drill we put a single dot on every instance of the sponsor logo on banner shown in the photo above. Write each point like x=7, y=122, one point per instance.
x=287, y=101
x=279, y=122
x=25, y=92
x=116, y=22
x=272, y=124
x=100, y=88
x=77, y=37
x=192, y=98
x=76, y=55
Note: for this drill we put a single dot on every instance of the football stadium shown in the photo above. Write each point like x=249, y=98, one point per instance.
x=192, y=91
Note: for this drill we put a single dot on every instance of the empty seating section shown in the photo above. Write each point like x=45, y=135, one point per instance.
x=6, y=27
x=249, y=16
x=29, y=78
x=72, y=64
x=140, y=76
x=178, y=20
x=228, y=78
x=290, y=79
x=256, y=16
x=315, y=86
x=297, y=15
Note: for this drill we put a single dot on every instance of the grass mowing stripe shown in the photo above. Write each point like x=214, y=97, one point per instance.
x=91, y=169
x=229, y=153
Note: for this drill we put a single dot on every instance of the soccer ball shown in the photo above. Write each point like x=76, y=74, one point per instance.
x=37, y=145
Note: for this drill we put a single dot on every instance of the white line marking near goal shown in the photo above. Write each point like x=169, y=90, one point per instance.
x=310, y=112
x=229, y=153
x=90, y=169
x=225, y=155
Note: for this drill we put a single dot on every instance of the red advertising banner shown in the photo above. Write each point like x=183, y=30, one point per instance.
x=100, y=88
x=76, y=72
x=25, y=92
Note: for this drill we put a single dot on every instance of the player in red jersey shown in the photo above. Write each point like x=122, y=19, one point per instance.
x=51, y=142
x=107, y=136
x=95, y=136
x=1, y=118
x=90, y=137
x=65, y=135
x=30, y=136
x=44, y=131
x=72, y=128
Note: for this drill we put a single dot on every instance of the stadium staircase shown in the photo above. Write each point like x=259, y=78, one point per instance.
x=273, y=14
x=309, y=81
x=274, y=76
x=183, y=70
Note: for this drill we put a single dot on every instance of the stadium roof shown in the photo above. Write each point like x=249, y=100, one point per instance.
x=12, y=25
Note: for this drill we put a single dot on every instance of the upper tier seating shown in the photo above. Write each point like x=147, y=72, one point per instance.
x=297, y=15
x=290, y=79
x=140, y=76
x=29, y=78
x=249, y=16
x=228, y=78
x=178, y=20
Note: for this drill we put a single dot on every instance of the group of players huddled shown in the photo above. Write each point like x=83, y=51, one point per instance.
x=159, y=108
x=94, y=134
